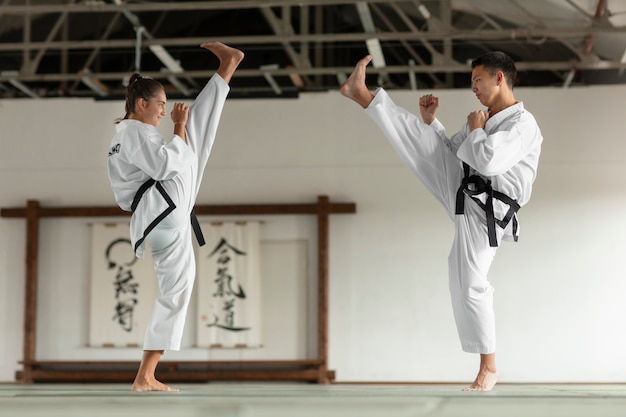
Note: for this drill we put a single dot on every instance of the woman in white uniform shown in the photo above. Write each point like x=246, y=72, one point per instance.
x=481, y=175
x=158, y=181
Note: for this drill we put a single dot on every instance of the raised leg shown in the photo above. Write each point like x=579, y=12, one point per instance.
x=354, y=88
x=229, y=58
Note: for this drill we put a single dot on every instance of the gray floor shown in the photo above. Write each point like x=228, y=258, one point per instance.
x=294, y=400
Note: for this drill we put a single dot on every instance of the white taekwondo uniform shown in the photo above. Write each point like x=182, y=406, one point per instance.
x=162, y=211
x=468, y=174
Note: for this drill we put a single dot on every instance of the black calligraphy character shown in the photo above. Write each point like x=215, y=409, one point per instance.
x=228, y=326
x=123, y=283
x=223, y=242
x=224, y=281
x=124, y=313
x=113, y=262
x=229, y=316
x=224, y=285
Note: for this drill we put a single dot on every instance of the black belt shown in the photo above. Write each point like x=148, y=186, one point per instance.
x=482, y=185
x=170, y=207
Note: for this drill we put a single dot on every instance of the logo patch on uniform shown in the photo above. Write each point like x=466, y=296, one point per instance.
x=115, y=149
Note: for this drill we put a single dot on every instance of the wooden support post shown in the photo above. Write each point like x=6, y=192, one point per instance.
x=30, y=290
x=322, y=287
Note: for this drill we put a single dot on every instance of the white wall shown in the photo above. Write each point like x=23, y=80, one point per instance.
x=560, y=291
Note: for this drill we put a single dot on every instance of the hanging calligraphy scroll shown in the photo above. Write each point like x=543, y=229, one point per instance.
x=229, y=286
x=123, y=289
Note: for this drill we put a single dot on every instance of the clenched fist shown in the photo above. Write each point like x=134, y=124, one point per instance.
x=477, y=119
x=180, y=113
x=428, y=107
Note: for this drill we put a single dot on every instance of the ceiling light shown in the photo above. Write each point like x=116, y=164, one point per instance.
x=165, y=57
x=18, y=84
x=92, y=82
x=569, y=78
x=412, y=78
x=424, y=11
x=376, y=51
x=270, y=79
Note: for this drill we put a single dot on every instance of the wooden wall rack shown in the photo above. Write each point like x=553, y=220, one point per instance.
x=315, y=370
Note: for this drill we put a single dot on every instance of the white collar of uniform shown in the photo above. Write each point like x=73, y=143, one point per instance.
x=125, y=123
x=503, y=114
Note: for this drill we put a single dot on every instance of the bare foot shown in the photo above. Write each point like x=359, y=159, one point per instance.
x=142, y=385
x=229, y=58
x=485, y=381
x=354, y=87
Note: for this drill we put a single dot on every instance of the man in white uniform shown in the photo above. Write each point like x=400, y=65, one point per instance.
x=481, y=175
x=159, y=181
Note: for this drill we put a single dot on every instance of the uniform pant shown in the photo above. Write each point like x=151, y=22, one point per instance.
x=428, y=157
x=171, y=240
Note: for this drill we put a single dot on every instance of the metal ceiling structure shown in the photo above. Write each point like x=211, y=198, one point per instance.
x=88, y=48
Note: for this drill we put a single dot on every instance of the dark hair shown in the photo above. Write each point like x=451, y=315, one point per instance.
x=498, y=61
x=140, y=87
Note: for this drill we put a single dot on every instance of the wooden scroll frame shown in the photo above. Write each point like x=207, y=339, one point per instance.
x=180, y=371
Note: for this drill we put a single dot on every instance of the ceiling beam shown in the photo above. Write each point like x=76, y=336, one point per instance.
x=577, y=51
x=600, y=13
x=34, y=64
x=409, y=48
x=171, y=6
x=96, y=51
x=484, y=35
x=427, y=44
x=396, y=69
x=282, y=26
x=26, y=41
